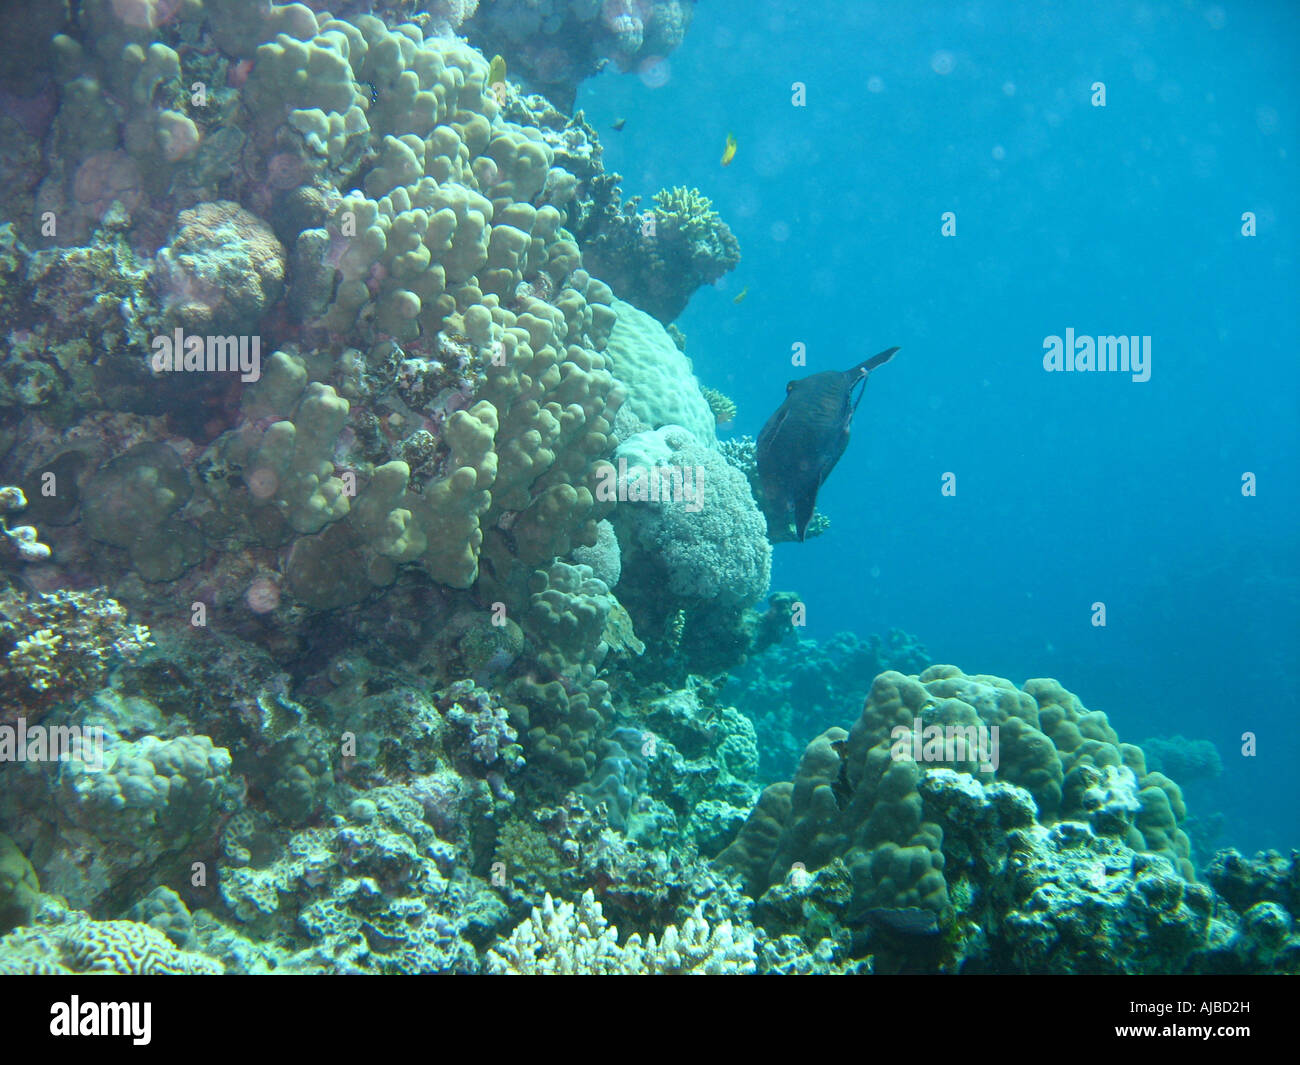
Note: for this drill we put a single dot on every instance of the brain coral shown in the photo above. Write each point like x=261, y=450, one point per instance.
x=62, y=941
x=661, y=385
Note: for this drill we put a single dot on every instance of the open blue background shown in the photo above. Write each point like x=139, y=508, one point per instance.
x=1124, y=219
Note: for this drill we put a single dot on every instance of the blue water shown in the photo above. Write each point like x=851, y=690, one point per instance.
x=1071, y=489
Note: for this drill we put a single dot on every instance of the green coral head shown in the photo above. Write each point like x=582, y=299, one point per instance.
x=722, y=406
x=690, y=207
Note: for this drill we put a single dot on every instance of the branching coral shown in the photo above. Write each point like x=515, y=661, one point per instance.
x=656, y=258
x=567, y=939
x=59, y=646
x=722, y=406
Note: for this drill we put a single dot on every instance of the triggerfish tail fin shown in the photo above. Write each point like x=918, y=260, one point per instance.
x=862, y=369
x=865, y=368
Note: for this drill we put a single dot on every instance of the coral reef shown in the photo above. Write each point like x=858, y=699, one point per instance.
x=861, y=797
x=803, y=686
x=103, y=821
x=1025, y=898
x=576, y=619
x=564, y=939
x=60, y=941
x=475, y=415
x=657, y=257
x=19, y=544
x=1246, y=882
x=370, y=892
x=555, y=44
x=691, y=515
x=59, y=646
x=659, y=380
x=389, y=568
x=694, y=552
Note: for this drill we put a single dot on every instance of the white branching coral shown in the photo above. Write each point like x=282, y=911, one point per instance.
x=564, y=939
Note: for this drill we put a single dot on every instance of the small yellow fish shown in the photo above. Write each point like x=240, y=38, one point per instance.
x=496, y=70
x=729, y=152
x=740, y=296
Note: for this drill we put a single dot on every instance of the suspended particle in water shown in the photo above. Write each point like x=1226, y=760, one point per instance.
x=654, y=72
x=262, y=595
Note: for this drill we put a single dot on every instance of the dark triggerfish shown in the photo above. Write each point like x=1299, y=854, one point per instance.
x=803, y=440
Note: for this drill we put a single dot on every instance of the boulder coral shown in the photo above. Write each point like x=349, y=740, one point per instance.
x=221, y=269
x=21, y=543
x=860, y=795
x=465, y=434
x=690, y=516
x=659, y=379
